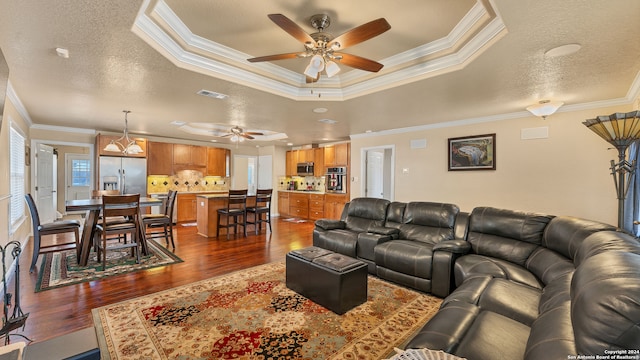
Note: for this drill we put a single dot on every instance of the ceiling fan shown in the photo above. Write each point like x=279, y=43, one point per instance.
x=238, y=132
x=323, y=48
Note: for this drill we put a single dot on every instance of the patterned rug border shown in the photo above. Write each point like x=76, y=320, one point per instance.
x=414, y=307
x=45, y=267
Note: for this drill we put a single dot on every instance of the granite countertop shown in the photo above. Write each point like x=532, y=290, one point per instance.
x=209, y=196
x=304, y=191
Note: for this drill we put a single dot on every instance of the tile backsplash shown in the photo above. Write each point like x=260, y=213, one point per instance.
x=301, y=183
x=186, y=181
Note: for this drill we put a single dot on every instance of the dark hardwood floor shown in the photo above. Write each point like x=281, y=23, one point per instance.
x=60, y=311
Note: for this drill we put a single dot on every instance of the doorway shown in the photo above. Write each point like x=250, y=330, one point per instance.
x=377, y=172
x=252, y=172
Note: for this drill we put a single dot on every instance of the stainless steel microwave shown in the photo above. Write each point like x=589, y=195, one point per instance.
x=305, y=169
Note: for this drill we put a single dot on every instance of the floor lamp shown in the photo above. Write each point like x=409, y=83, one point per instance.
x=619, y=130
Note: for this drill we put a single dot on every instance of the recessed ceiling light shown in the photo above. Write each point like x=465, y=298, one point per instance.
x=62, y=52
x=289, y=144
x=213, y=140
x=368, y=131
x=563, y=50
x=320, y=110
x=327, y=121
x=212, y=94
x=177, y=123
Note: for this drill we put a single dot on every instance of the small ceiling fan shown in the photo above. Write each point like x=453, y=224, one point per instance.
x=322, y=47
x=239, y=132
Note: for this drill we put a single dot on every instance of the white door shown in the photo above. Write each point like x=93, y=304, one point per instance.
x=265, y=172
x=77, y=176
x=375, y=174
x=44, y=184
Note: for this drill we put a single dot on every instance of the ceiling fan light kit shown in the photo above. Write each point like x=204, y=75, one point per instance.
x=322, y=46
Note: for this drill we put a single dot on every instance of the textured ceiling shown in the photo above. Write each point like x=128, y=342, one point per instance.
x=115, y=66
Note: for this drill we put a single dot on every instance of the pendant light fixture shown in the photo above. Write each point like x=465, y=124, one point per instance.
x=124, y=144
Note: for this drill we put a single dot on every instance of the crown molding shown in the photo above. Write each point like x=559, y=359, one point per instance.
x=63, y=129
x=17, y=103
x=292, y=85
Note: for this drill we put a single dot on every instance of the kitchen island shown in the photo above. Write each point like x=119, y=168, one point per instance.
x=207, y=212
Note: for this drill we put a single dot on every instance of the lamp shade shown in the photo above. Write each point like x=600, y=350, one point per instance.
x=618, y=129
x=332, y=68
x=545, y=108
x=134, y=148
x=112, y=147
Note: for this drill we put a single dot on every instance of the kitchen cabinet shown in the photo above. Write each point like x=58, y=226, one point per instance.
x=299, y=205
x=189, y=157
x=159, y=158
x=187, y=210
x=291, y=168
x=218, y=162
x=333, y=205
x=306, y=155
x=104, y=140
x=316, y=206
x=283, y=203
x=318, y=169
x=337, y=155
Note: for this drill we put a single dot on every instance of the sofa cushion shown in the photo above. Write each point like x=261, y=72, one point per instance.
x=428, y=222
x=491, y=331
x=506, y=234
x=565, y=234
x=605, y=308
x=366, y=212
x=604, y=241
x=446, y=328
x=552, y=335
x=473, y=265
x=408, y=257
x=548, y=265
x=339, y=240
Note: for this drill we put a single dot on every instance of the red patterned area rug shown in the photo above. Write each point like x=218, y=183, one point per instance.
x=251, y=314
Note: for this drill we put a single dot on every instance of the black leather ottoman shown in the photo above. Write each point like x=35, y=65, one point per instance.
x=335, y=281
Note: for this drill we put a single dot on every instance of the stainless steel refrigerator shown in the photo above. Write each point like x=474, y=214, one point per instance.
x=128, y=175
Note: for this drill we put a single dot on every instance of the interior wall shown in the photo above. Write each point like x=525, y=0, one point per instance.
x=61, y=165
x=564, y=174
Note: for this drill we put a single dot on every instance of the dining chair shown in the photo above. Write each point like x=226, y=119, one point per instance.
x=127, y=206
x=262, y=207
x=54, y=228
x=236, y=207
x=164, y=221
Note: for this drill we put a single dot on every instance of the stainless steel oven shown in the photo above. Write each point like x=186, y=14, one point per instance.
x=336, y=180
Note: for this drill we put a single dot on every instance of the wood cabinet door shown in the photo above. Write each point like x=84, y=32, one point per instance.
x=292, y=163
x=330, y=156
x=199, y=156
x=283, y=203
x=187, y=210
x=217, y=162
x=160, y=158
x=342, y=154
x=318, y=162
x=181, y=154
x=333, y=206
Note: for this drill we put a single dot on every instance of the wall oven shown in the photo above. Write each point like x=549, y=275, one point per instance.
x=336, y=180
x=305, y=169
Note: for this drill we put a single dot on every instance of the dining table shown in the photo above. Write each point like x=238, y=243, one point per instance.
x=93, y=208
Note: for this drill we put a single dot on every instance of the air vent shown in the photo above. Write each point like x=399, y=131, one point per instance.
x=212, y=94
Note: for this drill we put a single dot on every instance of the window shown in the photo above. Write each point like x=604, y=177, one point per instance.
x=80, y=172
x=17, y=165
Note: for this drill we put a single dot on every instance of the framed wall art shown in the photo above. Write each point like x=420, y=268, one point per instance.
x=472, y=152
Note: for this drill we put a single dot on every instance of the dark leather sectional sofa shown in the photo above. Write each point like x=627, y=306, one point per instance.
x=516, y=285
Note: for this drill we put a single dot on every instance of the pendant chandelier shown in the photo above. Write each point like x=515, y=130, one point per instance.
x=124, y=144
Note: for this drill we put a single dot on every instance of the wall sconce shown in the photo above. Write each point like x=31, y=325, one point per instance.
x=544, y=108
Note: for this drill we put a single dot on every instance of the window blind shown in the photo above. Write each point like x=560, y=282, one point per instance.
x=17, y=176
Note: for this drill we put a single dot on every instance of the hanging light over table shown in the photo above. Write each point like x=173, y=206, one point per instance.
x=124, y=144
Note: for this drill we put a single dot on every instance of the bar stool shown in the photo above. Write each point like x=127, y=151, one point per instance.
x=164, y=221
x=236, y=207
x=263, y=206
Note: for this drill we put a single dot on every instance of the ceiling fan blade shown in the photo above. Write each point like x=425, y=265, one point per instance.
x=244, y=135
x=292, y=28
x=359, y=62
x=361, y=33
x=274, y=57
x=254, y=133
x=226, y=135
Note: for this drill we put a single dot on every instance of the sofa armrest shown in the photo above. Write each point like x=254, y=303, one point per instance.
x=445, y=254
x=453, y=246
x=329, y=224
x=381, y=230
x=367, y=242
